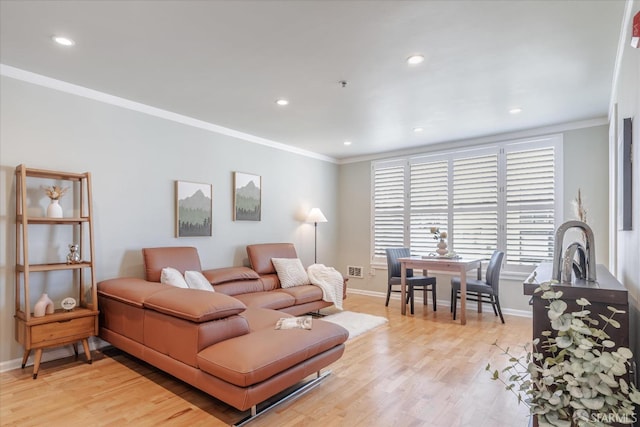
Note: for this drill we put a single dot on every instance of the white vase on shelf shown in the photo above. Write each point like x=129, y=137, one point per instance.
x=54, y=210
x=43, y=306
x=442, y=248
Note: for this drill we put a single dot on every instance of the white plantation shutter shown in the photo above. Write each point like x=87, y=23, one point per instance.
x=429, y=198
x=388, y=208
x=475, y=205
x=502, y=196
x=530, y=200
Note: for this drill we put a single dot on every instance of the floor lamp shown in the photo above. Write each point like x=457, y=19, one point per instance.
x=316, y=216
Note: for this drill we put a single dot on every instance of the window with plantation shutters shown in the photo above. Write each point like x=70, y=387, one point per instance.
x=475, y=205
x=429, y=203
x=503, y=196
x=530, y=201
x=388, y=208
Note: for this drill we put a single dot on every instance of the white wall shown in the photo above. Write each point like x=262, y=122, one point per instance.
x=585, y=155
x=627, y=243
x=134, y=159
x=585, y=167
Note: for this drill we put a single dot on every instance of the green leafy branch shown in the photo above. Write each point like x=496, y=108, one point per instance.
x=577, y=377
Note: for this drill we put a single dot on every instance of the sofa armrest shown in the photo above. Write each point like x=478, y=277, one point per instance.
x=129, y=290
x=193, y=304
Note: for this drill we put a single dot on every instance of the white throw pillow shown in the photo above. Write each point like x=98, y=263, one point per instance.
x=171, y=276
x=196, y=280
x=290, y=272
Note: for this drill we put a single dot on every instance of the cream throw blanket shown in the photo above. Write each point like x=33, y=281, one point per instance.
x=329, y=280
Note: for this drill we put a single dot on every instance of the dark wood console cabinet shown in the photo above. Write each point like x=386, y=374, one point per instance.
x=607, y=291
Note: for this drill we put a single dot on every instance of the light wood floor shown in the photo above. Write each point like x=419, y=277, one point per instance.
x=422, y=370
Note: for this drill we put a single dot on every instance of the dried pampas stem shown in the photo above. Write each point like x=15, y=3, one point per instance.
x=580, y=210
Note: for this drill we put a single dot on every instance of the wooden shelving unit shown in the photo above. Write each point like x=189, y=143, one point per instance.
x=61, y=327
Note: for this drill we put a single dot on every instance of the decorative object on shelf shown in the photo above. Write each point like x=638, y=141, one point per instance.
x=580, y=212
x=442, y=245
x=578, y=376
x=247, y=197
x=54, y=210
x=73, y=257
x=68, y=303
x=194, y=209
x=566, y=266
x=315, y=216
x=43, y=306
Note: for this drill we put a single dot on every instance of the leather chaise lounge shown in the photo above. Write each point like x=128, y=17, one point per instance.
x=223, y=342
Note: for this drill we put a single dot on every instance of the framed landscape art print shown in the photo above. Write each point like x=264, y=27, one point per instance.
x=194, y=209
x=247, y=197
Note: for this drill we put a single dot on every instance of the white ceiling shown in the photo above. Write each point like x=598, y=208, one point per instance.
x=226, y=62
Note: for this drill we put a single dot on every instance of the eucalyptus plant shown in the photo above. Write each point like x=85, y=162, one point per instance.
x=574, y=375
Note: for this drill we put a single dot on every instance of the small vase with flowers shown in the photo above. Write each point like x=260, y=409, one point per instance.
x=442, y=244
x=54, y=192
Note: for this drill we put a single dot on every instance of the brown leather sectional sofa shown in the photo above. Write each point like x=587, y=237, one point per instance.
x=223, y=342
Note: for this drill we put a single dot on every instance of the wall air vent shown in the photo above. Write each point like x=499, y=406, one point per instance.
x=355, y=271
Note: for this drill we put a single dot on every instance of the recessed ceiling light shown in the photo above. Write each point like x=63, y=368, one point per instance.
x=347, y=143
x=282, y=102
x=418, y=129
x=64, y=41
x=415, y=59
x=515, y=110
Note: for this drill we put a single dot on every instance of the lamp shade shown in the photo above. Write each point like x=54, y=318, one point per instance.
x=316, y=215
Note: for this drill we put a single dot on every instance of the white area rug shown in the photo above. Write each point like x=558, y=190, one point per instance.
x=355, y=323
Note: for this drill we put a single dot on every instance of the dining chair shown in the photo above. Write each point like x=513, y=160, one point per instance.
x=481, y=290
x=413, y=282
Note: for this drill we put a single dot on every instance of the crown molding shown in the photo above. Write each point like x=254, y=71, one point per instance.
x=59, y=85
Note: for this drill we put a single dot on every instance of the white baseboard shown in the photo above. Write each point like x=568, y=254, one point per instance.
x=439, y=303
x=53, y=354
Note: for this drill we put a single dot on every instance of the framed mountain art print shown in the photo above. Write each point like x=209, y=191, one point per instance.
x=194, y=209
x=247, y=197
